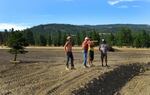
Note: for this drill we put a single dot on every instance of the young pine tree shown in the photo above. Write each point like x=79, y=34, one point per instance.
x=17, y=43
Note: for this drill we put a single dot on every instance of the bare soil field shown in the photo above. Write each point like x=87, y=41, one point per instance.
x=42, y=72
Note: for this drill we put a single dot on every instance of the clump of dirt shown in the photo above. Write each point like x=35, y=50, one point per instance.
x=111, y=82
x=139, y=85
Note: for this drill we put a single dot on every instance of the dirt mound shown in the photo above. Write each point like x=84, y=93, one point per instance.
x=111, y=82
x=139, y=85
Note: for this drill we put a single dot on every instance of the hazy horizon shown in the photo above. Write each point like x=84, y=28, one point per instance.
x=28, y=13
x=26, y=27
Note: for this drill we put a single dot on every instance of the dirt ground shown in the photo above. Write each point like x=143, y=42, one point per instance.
x=42, y=72
x=139, y=85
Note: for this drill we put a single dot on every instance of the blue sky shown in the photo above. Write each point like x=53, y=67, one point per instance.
x=21, y=14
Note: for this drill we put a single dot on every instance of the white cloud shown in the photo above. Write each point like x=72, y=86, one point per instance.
x=11, y=25
x=136, y=6
x=121, y=3
x=123, y=6
x=114, y=2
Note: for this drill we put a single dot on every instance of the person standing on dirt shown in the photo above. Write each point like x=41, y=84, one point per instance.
x=85, y=51
x=91, y=52
x=68, y=51
x=103, y=48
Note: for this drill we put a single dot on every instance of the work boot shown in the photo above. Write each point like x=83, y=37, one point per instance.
x=85, y=66
x=67, y=68
x=72, y=68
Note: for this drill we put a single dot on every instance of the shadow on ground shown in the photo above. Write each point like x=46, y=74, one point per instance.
x=111, y=82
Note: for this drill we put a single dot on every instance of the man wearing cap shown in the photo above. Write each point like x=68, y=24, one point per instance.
x=103, y=48
x=85, y=51
x=68, y=51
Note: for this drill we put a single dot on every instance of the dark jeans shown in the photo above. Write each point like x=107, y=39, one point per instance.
x=91, y=55
x=70, y=56
x=104, y=56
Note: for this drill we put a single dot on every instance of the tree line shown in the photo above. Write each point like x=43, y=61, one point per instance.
x=123, y=37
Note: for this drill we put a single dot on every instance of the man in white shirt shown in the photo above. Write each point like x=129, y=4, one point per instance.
x=103, y=48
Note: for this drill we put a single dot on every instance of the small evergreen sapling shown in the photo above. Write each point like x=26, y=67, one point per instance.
x=17, y=44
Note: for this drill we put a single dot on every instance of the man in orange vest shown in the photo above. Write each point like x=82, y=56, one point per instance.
x=85, y=51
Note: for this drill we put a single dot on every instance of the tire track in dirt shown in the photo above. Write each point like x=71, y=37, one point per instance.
x=119, y=76
x=39, y=68
x=22, y=74
x=49, y=85
x=83, y=81
x=55, y=88
x=44, y=83
x=66, y=83
x=22, y=79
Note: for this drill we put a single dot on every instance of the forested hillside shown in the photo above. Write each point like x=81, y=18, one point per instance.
x=79, y=28
x=55, y=34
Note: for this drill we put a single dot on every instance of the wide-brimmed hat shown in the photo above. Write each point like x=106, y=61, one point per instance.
x=86, y=38
x=103, y=40
x=69, y=37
